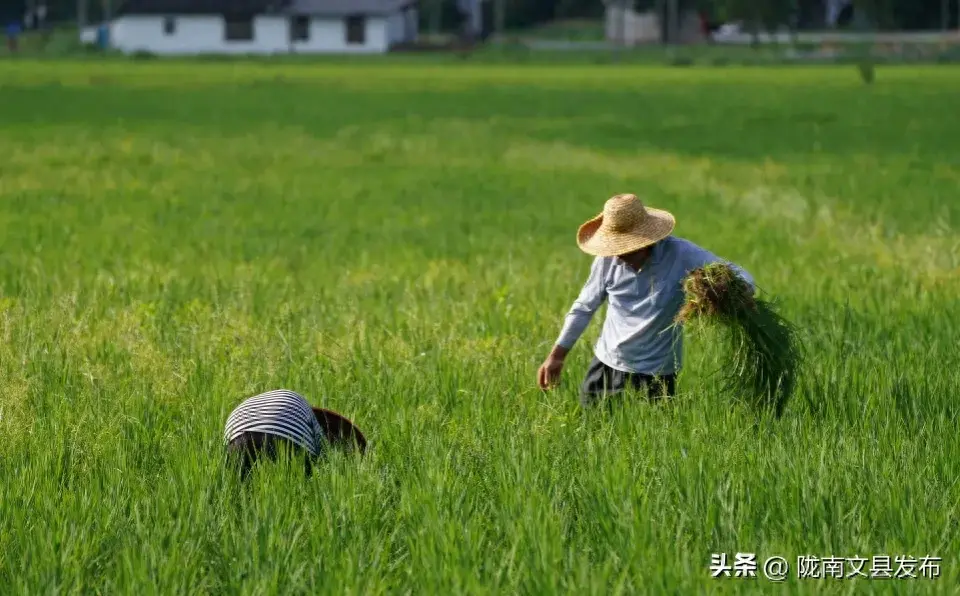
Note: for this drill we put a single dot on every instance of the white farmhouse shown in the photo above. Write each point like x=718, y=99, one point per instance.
x=195, y=27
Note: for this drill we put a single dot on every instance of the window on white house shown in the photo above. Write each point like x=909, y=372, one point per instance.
x=169, y=26
x=300, y=28
x=356, y=29
x=238, y=28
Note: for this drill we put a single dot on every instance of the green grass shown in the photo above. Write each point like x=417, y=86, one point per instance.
x=397, y=243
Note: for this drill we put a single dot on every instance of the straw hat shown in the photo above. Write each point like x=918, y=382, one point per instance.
x=338, y=430
x=624, y=226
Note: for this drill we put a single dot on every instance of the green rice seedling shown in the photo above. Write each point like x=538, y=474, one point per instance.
x=764, y=349
x=393, y=240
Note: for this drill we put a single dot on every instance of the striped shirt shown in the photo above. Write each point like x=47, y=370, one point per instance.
x=280, y=412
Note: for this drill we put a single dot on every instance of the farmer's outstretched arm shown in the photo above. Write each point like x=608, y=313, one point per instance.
x=592, y=295
x=696, y=257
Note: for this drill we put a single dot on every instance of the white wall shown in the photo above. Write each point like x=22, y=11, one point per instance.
x=644, y=27
x=402, y=26
x=414, y=23
x=205, y=35
x=396, y=24
x=637, y=28
x=329, y=35
x=196, y=35
x=88, y=35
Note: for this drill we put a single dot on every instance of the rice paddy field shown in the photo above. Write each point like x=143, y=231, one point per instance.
x=396, y=242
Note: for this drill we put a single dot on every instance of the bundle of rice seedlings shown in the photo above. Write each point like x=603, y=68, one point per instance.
x=765, y=351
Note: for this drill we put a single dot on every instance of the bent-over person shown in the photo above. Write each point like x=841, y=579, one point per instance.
x=282, y=420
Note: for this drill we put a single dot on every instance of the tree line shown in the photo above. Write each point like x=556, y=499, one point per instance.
x=809, y=14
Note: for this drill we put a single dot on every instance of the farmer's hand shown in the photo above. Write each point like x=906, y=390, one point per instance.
x=549, y=372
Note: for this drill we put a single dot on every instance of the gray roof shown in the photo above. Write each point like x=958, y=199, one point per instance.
x=347, y=7
x=204, y=7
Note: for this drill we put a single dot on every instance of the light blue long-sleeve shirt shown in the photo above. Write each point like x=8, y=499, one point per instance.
x=637, y=335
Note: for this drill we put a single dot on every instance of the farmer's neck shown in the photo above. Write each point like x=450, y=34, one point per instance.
x=637, y=259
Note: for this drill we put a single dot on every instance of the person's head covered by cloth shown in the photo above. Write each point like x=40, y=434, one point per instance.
x=282, y=421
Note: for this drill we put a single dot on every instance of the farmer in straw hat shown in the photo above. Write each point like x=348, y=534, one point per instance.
x=638, y=269
x=283, y=421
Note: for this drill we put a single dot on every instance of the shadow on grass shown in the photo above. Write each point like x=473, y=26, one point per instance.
x=780, y=122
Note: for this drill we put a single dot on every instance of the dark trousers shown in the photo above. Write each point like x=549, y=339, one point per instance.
x=248, y=448
x=602, y=381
